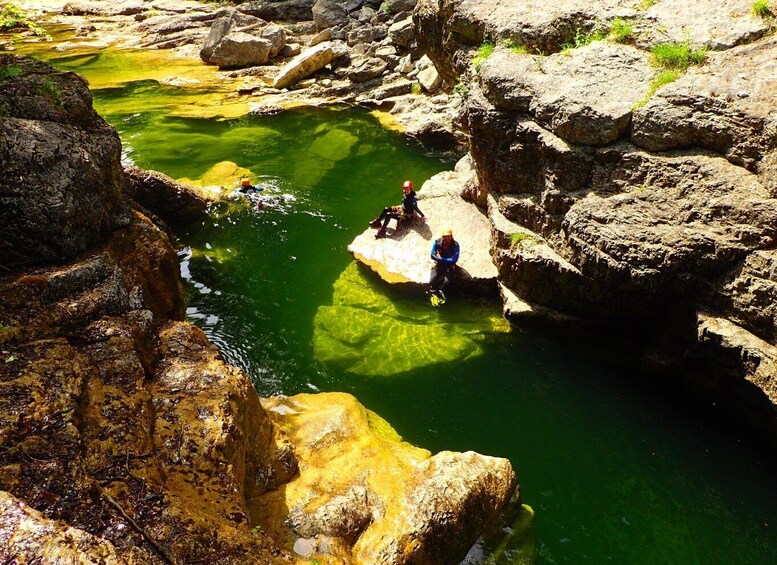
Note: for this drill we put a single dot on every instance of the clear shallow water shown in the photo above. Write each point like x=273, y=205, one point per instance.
x=614, y=474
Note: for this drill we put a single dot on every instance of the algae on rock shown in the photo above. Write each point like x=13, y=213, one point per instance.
x=371, y=334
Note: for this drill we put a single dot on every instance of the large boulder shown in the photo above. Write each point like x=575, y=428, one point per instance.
x=221, y=27
x=329, y=13
x=172, y=201
x=727, y=107
x=585, y=96
x=238, y=50
x=403, y=256
x=58, y=158
x=308, y=62
x=417, y=508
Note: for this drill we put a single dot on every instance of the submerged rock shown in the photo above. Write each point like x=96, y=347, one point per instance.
x=368, y=333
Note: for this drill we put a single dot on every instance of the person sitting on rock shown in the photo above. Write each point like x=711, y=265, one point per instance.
x=445, y=254
x=407, y=210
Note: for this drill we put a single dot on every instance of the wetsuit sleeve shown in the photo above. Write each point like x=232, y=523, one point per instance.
x=417, y=209
x=434, y=251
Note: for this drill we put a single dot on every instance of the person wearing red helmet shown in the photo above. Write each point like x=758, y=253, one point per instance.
x=407, y=210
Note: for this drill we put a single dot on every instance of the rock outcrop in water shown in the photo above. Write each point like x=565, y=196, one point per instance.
x=124, y=437
x=610, y=201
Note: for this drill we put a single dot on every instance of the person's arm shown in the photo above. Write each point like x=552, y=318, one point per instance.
x=435, y=252
x=417, y=209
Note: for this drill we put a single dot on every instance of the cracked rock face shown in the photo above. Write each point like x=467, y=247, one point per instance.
x=76, y=166
x=611, y=202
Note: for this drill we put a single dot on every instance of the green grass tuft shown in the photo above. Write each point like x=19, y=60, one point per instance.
x=518, y=237
x=621, y=31
x=10, y=71
x=415, y=88
x=762, y=9
x=483, y=53
x=644, y=5
x=584, y=37
x=461, y=89
x=515, y=46
x=678, y=56
x=665, y=76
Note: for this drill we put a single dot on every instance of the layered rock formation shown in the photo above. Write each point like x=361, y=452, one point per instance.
x=613, y=202
x=125, y=438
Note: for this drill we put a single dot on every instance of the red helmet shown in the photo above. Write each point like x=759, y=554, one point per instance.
x=408, y=184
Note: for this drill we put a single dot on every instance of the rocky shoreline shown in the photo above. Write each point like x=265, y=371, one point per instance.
x=125, y=436
x=609, y=199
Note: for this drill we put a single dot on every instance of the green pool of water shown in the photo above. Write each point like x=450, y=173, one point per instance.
x=614, y=474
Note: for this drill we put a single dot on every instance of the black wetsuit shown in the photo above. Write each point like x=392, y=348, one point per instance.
x=408, y=208
x=445, y=258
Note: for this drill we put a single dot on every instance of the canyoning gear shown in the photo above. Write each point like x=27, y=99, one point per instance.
x=445, y=251
x=445, y=254
x=446, y=231
x=375, y=223
x=381, y=233
x=408, y=184
x=245, y=182
x=406, y=211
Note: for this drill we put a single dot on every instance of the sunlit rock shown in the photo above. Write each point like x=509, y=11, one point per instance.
x=404, y=255
x=370, y=333
x=388, y=502
x=220, y=178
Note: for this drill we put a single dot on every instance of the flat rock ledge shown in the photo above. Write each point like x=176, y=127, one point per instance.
x=403, y=255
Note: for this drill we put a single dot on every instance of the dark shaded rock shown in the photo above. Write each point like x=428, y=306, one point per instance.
x=172, y=201
x=402, y=33
x=58, y=158
x=328, y=13
x=283, y=10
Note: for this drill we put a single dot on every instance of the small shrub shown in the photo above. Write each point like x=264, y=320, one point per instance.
x=10, y=71
x=483, y=53
x=461, y=89
x=644, y=5
x=13, y=17
x=515, y=46
x=52, y=90
x=385, y=7
x=678, y=56
x=416, y=88
x=621, y=31
x=584, y=37
x=761, y=8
